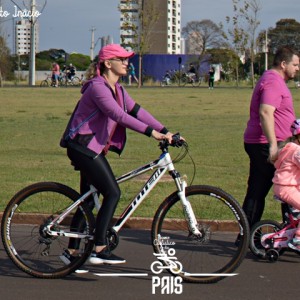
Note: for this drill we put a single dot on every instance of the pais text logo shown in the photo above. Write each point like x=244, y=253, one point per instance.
x=166, y=260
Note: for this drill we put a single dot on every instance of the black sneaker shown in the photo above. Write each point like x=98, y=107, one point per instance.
x=105, y=257
x=66, y=257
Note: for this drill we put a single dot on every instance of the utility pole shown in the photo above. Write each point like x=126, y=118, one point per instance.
x=266, y=51
x=32, y=45
x=92, y=44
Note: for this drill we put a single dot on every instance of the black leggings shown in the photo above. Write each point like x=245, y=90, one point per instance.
x=259, y=181
x=96, y=171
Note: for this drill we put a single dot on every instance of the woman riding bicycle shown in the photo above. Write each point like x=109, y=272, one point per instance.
x=98, y=124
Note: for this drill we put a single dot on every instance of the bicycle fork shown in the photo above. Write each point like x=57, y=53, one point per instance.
x=187, y=207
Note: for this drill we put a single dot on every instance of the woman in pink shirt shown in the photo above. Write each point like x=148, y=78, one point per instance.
x=287, y=175
x=98, y=125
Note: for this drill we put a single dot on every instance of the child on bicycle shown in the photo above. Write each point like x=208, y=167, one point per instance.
x=97, y=126
x=287, y=175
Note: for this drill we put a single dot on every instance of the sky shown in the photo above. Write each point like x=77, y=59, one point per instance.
x=67, y=24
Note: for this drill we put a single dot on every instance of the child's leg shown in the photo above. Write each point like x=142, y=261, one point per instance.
x=288, y=194
x=297, y=234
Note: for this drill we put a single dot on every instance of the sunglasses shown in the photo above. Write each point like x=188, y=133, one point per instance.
x=123, y=60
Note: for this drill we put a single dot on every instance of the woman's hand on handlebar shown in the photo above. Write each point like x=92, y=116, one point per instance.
x=160, y=136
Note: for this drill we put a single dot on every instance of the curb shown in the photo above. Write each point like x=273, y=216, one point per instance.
x=141, y=223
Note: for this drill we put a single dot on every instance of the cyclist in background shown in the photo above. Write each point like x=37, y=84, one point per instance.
x=71, y=71
x=97, y=126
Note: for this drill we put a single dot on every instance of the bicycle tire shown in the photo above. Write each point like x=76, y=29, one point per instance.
x=32, y=250
x=75, y=81
x=44, y=83
x=220, y=219
x=184, y=81
x=163, y=83
x=257, y=231
x=62, y=81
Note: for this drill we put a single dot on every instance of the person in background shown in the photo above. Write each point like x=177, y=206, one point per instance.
x=131, y=74
x=191, y=73
x=55, y=73
x=71, y=71
x=211, y=78
x=271, y=113
x=192, y=70
x=97, y=126
x=286, y=179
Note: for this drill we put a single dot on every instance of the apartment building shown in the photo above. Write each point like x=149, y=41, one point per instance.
x=22, y=37
x=164, y=36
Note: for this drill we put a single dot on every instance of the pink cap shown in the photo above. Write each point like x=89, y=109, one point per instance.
x=112, y=51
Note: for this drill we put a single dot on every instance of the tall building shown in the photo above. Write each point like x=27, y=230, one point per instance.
x=164, y=36
x=22, y=37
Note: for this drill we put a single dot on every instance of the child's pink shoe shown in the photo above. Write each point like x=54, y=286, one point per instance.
x=295, y=244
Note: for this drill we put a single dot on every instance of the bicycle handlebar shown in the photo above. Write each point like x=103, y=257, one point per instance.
x=176, y=142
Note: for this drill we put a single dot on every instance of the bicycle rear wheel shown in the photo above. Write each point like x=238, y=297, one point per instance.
x=259, y=229
x=214, y=255
x=29, y=246
x=75, y=81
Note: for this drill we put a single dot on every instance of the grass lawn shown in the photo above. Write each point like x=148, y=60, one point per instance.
x=212, y=121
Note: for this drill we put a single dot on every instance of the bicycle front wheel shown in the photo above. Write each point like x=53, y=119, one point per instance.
x=214, y=254
x=44, y=83
x=33, y=249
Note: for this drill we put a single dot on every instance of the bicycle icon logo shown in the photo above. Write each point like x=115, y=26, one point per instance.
x=166, y=261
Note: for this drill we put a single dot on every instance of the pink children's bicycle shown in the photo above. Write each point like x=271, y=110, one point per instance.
x=269, y=239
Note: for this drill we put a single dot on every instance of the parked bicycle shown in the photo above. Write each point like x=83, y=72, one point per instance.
x=269, y=239
x=201, y=221
x=50, y=82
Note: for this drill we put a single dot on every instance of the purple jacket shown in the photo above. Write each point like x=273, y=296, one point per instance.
x=98, y=114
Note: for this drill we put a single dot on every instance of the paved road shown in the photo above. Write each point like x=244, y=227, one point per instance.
x=256, y=279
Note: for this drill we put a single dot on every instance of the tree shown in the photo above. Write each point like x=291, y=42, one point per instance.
x=243, y=32
x=224, y=57
x=203, y=35
x=286, y=32
x=140, y=27
x=5, y=63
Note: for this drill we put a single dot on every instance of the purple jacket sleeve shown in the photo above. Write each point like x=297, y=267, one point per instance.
x=103, y=100
x=143, y=115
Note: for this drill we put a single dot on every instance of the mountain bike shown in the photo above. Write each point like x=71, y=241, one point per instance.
x=201, y=223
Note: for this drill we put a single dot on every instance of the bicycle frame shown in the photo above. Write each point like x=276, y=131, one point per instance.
x=163, y=164
x=281, y=238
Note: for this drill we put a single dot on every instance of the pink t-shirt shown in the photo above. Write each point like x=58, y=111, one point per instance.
x=288, y=166
x=271, y=89
x=56, y=69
